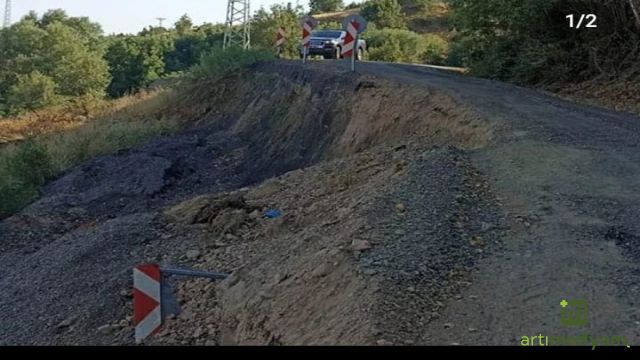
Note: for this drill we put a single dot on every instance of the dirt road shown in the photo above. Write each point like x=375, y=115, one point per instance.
x=569, y=177
x=562, y=194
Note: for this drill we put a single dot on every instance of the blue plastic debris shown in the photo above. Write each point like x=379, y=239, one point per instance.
x=273, y=214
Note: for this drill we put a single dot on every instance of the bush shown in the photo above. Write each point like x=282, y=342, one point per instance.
x=436, y=50
x=53, y=55
x=322, y=6
x=396, y=45
x=418, y=4
x=221, y=62
x=25, y=168
x=384, y=13
x=329, y=25
x=265, y=24
x=31, y=92
x=532, y=42
x=353, y=5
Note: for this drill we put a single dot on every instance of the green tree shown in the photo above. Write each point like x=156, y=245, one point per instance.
x=58, y=48
x=91, y=33
x=52, y=16
x=31, y=16
x=189, y=47
x=532, y=42
x=76, y=69
x=136, y=61
x=321, y=6
x=265, y=24
x=32, y=92
x=184, y=25
x=384, y=13
x=22, y=50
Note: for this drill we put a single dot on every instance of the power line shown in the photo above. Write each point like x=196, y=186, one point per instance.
x=160, y=20
x=7, y=14
x=238, y=26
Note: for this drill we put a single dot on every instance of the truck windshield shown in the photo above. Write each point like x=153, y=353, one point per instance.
x=327, y=34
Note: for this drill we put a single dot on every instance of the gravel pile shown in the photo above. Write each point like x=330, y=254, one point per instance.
x=431, y=230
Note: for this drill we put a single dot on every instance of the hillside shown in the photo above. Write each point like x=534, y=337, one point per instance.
x=408, y=196
x=400, y=204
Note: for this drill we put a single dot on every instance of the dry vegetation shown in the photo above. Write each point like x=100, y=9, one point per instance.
x=620, y=94
x=40, y=145
x=76, y=114
x=336, y=16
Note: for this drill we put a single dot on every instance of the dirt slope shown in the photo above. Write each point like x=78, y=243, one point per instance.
x=419, y=207
x=105, y=216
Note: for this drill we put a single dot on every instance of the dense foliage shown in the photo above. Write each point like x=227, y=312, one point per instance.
x=218, y=63
x=320, y=6
x=384, y=13
x=532, y=42
x=136, y=61
x=265, y=25
x=399, y=45
x=45, y=60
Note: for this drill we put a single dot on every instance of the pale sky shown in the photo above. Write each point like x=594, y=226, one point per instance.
x=131, y=16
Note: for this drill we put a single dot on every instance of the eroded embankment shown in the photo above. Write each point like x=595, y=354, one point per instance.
x=293, y=117
x=373, y=241
x=322, y=273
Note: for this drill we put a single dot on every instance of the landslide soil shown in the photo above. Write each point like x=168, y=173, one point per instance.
x=419, y=207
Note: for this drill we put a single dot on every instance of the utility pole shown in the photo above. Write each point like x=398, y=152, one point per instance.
x=160, y=20
x=238, y=25
x=7, y=14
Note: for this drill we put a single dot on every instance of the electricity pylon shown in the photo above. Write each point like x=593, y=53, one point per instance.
x=238, y=25
x=7, y=14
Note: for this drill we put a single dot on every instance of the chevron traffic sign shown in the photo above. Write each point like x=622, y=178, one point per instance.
x=152, y=296
x=307, y=23
x=280, y=37
x=147, y=310
x=353, y=26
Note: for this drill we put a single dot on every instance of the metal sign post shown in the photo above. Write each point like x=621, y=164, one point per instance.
x=194, y=273
x=354, y=55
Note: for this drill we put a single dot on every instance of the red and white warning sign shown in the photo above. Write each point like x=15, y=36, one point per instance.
x=353, y=25
x=153, y=298
x=280, y=37
x=307, y=23
x=147, y=311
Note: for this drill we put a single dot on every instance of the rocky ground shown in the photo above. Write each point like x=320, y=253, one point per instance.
x=358, y=256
